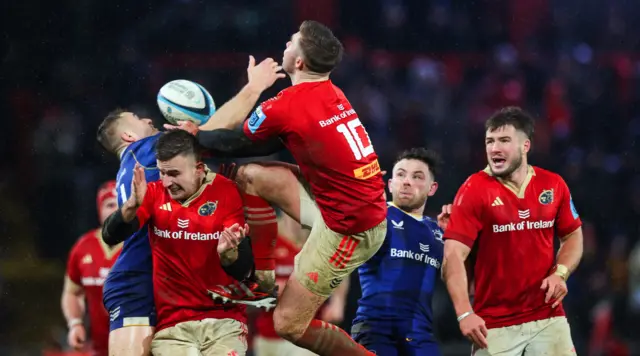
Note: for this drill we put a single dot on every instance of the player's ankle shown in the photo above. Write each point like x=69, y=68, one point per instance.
x=266, y=279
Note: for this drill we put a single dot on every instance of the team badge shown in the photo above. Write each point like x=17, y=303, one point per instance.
x=208, y=208
x=546, y=197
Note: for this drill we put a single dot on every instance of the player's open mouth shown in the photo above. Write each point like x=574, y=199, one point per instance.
x=174, y=189
x=498, y=162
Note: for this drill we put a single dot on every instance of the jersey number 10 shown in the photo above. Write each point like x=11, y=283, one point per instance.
x=350, y=132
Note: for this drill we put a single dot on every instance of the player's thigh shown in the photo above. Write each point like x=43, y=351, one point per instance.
x=327, y=258
x=277, y=347
x=415, y=348
x=553, y=338
x=131, y=341
x=506, y=341
x=178, y=340
x=296, y=307
x=272, y=183
x=378, y=343
x=223, y=337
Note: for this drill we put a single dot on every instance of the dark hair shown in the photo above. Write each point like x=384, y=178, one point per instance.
x=177, y=142
x=321, y=50
x=107, y=129
x=429, y=157
x=514, y=116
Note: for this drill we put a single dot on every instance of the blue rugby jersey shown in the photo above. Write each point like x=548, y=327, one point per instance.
x=136, y=251
x=399, y=281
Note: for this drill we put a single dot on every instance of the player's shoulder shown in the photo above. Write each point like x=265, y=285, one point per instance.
x=431, y=223
x=477, y=181
x=87, y=240
x=547, y=175
x=220, y=181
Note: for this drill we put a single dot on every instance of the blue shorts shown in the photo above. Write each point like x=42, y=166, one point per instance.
x=389, y=343
x=128, y=297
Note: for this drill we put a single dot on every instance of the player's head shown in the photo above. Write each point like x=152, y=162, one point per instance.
x=508, y=140
x=121, y=127
x=312, y=49
x=106, y=200
x=181, y=169
x=414, y=178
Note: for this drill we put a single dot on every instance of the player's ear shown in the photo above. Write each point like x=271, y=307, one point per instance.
x=389, y=182
x=433, y=189
x=527, y=145
x=199, y=167
x=299, y=63
x=128, y=137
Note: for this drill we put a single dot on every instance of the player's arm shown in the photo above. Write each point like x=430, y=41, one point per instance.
x=234, y=247
x=234, y=143
x=462, y=229
x=72, y=302
x=569, y=228
x=454, y=275
x=236, y=110
x=134, y=212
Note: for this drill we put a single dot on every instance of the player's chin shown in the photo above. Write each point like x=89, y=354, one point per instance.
x=178, y=195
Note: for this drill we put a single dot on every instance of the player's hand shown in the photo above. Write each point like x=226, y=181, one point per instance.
x=556, y=289
x=263, y=75
x=138, y=187
x=188, y=126
x=231, y=238
x=76, y=336
x=474, y=329
x=228, y=170
x=443, y=217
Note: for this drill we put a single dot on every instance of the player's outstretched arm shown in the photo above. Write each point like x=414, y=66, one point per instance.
x=236, y=110
x=235, y=144
x=124, y=222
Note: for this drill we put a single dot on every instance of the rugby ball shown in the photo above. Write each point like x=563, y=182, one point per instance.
x=182, y=100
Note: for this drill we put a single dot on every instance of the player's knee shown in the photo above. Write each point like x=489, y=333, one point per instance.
x=286, y=325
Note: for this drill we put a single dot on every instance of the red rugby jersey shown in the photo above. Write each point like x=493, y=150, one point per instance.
x=88, y=265
x=514, y=232
x=184, y=237
x=328, y=141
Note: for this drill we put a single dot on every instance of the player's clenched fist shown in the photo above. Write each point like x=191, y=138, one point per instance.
x=76, y=336
x=443, y=217
x=473, y=328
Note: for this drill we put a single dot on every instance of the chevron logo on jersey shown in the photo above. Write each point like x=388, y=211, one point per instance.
x=497, y=202
x=524, y=214
x=166, y=207
x=183, y=224
x=423, y=247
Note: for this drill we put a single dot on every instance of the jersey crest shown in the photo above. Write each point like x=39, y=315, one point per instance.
x=208, y=208
x=546, y=197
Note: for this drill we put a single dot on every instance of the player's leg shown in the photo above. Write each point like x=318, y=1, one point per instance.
x=553, y=337
x=412, y=347
x=507, y=341
x=222, y=337
x=277, y=347
x=322, y=264
x=132, y=317
x=262, y=186
x=131, y=341
x=178, y=340
x=375, y=341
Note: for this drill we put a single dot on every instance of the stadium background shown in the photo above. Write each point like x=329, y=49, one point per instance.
x=423, y=72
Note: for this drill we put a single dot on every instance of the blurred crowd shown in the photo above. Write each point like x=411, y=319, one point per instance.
x=419, y=73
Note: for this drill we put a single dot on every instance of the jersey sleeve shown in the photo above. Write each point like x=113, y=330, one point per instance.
x=235, y=212
x=465, y=222
x=567, y=220
x=266, y=121
x=73, y=264
x=146, y=209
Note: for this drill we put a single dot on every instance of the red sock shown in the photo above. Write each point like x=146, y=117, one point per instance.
x=263, y=229
x=329, y=340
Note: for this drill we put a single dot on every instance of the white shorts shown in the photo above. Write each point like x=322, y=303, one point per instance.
x=207, y=337
x=542, y=337
x=277, y=347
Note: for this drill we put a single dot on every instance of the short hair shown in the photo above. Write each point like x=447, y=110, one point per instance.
x=175, y=143
x=514, y=116
x=321, y=50
x=430, y=158
x=107, y=130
